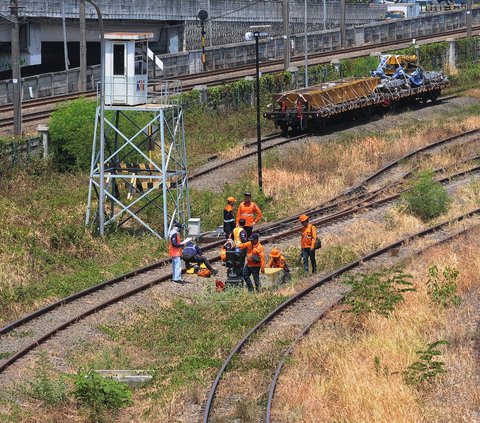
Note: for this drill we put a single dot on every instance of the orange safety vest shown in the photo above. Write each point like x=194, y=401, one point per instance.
x=175, y=251
x=252, y=252
x=277, y=263
x=236, y=235
x=251, y=213
x=309, y=234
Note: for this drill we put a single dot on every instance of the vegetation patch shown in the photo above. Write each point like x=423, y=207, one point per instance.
x=377, y=292
x=392, y=369
x=427, y=198
x=185, y=342
x=442, y=286
x=101, y=397
x=427, y=367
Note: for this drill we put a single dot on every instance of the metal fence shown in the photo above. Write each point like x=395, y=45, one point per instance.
x=18, y=152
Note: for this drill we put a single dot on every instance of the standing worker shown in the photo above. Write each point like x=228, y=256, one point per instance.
x=249, y=211
x=175, y=252
x=228, y=217
x=255, y=261
x=307, y=242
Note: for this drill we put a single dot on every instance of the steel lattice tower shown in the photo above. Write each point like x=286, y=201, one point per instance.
x=138, y=173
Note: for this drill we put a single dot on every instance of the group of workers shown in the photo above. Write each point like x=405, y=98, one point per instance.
x=240, y=237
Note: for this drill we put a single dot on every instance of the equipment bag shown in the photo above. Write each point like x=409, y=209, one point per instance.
x=318, y=243
x=204, y=273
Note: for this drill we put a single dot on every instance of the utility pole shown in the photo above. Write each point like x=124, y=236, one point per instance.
x=65, y=48
x=286, y=35
x=342, y=24
x=82, y=77
x=324, y=15
x=469, y=18
x=203, y=16
x=305, y=47
x=210, y=37
x=16, y=73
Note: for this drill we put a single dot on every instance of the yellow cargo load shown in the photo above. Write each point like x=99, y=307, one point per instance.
x=329, y=93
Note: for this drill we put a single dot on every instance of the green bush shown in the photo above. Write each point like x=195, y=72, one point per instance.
x=101, y=396
x=427, y=198
x=441, y=286
x=425, y=369
x=71, y=134
x=72, y=129
x=377, y=292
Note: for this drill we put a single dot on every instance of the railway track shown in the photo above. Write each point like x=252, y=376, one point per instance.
x=306, y=329
x=300, y=300
x=211, y=78
x=142, y=279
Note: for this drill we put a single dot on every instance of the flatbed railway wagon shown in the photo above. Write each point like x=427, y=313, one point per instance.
x=397, y=80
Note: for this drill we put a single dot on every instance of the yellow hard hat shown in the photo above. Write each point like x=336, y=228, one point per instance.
x=231, y=199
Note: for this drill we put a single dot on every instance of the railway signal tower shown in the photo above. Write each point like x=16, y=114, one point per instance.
x=142, y=180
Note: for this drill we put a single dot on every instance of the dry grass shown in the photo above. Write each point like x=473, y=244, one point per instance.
x=314, y=172
x=334, y=377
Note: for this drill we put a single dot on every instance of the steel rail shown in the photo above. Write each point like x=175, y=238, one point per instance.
x=335, y=201
x=11, y=360
x=306, y=329
x=325, y=207
x=239, y=346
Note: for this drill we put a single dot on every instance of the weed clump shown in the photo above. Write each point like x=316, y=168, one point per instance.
x=377, y=292
x=102, y=397
x=427, y=198
x=52, y=392
x=426, y=368
x=442, y=287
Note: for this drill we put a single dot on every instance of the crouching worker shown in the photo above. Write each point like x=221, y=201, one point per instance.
x=255, y=261
x=277, y=261
x=193, y=254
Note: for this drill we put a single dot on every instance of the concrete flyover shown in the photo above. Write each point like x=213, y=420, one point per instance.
x=242, y=53
x=223, y=57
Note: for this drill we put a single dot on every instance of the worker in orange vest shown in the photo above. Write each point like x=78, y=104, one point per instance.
x=249, y=211
x=228, y=217
x=255, y=261
x=175, y=252
x=307, y=242
x=277, y=261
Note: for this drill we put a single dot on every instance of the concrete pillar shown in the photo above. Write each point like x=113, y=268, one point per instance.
x=336, y=64
x=451, y=65
x=203, y=93
x=252, y=97
x=294, y=71
x=43, y=132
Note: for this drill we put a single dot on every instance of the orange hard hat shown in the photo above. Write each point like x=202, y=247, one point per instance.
x=231, y=199
x=303, y=218
x=275, y=253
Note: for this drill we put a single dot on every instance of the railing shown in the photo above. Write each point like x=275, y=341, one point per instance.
x=17, y=152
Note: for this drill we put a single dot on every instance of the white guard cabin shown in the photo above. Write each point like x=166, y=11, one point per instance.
x=126, y=68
